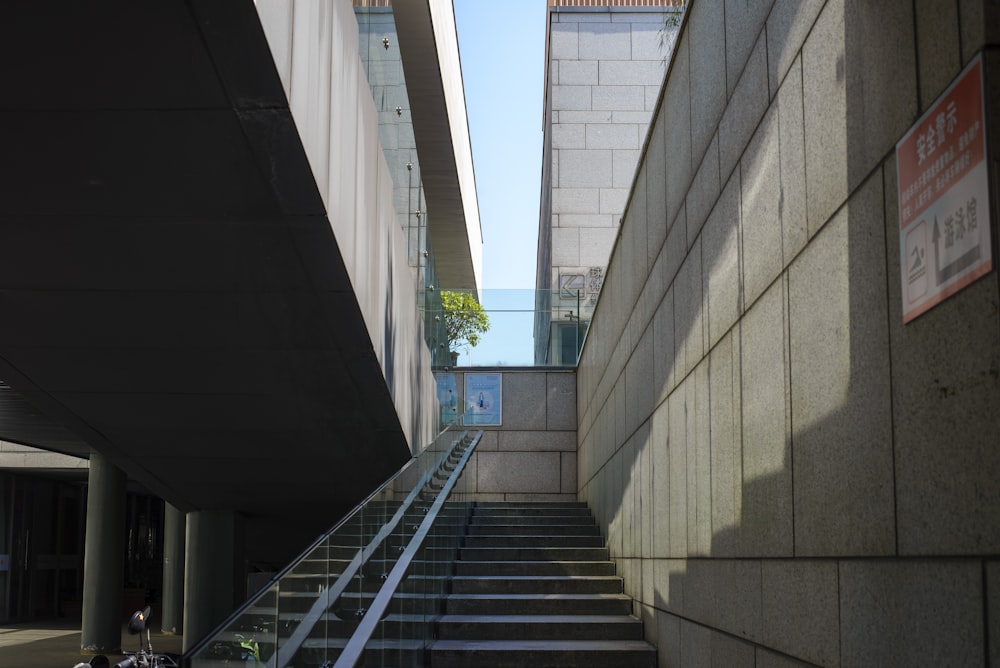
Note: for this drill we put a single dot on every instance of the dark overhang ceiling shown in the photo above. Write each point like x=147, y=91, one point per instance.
x=171, y=292
x=20, y=422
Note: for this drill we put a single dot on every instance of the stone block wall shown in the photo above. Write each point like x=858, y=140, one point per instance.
x=532, y=455
x=603, y=73
x=601, y=63
x=787, y=474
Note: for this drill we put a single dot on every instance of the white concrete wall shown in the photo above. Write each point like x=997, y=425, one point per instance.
x=446, y=37
x=14, y=457
x=786, y=473
x=315, y=48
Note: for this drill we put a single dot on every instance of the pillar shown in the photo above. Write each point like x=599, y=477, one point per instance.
x=213, y=571
x=103, y=558
x=172, y=614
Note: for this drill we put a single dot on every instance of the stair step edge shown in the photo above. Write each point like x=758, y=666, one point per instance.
x=539, y=619
x=550, y=645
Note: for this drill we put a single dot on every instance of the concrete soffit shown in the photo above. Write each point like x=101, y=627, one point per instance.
x=428, y=42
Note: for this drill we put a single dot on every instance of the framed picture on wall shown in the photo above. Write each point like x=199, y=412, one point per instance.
x=484, y=399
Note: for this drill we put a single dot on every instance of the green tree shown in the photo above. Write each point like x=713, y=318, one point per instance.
x=671, y=22
x=464, y=318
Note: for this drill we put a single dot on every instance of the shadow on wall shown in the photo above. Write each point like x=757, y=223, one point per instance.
x=781, y=467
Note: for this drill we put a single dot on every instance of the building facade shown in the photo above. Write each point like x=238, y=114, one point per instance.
x=217, y=242
x=604, y=66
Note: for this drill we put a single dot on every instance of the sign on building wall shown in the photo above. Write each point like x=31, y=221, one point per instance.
x=944, y=209
x=483, y=399
x=447, y=394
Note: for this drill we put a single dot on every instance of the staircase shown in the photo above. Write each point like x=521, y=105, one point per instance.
x=534, y=586
x=400, y=640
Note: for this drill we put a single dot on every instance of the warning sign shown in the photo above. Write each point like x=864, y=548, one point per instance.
x=944, y=212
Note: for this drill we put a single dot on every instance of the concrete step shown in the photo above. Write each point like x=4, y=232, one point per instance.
x=536, y=520
x=376, y=567
x=538, y=627
x=367, y=532
x=378, y=652
x=533, y=541
x=401, y=603
x=392, y=626
x=542, y=654
x=539, y=510
x=537, y=585
x=378, y=518
x=432, y=550
x=515, y=568
x=383, y=515
x=534, y=586
x=414, y=582
x=321, y=566
x=538, y=604
x=334, y=567
x=356, y=539
x=516, y=504
x=534, y=554
x=534, y=530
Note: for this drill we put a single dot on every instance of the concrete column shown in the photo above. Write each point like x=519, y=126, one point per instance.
x=174, y=522
x=213, y=570
x=103, y=559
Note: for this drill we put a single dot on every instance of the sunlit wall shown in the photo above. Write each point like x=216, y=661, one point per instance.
x=604, y=64
x=787, y=473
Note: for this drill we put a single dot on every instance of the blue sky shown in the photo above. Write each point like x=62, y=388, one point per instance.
x=502, y=46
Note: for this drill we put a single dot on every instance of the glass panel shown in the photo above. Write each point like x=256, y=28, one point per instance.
x=378, y=46
x=253, y=634
x=526, y=328
x=309, y=613
x=407, y=627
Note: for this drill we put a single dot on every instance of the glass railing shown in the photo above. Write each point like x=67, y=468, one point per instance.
x=526, y=328
x=382, y=571
x=378, y=46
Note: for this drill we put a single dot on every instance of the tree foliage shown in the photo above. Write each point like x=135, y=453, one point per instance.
x=464, y=318
x=675, y=20
x=670, y=24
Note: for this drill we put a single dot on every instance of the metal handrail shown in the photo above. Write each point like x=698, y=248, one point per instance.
x=352, y=652
x=323, y=602
x=288, y=649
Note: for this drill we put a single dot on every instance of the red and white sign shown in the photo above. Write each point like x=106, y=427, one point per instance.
x=944, y=206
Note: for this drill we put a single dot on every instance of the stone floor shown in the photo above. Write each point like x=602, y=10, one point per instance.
x=56, y=644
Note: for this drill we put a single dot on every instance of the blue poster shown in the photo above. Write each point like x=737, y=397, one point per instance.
x=447, y=394
x=483, y=399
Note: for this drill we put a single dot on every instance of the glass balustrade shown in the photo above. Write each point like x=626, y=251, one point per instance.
x=307, y=614
x=527, y=328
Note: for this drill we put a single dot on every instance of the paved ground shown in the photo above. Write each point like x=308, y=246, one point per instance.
x=56, y=644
